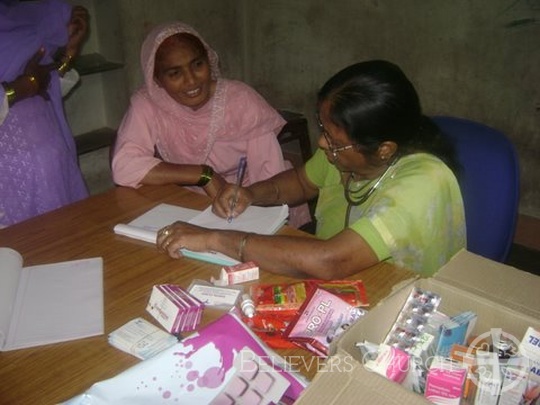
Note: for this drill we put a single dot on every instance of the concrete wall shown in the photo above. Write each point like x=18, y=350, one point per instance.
x=475, y=59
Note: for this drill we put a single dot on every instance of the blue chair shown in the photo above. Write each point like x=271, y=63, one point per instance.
x=489, y=183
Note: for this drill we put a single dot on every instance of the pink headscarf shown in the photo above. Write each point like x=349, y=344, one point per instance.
x=148, y=55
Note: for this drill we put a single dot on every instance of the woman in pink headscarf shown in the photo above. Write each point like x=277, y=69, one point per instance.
x=189, y=126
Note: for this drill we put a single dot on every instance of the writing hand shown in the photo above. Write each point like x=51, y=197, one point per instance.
x=222, y=204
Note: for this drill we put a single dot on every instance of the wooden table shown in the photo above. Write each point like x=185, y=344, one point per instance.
x=53, y=373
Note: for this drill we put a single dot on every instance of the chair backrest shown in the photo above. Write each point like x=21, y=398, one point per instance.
x=489, y=183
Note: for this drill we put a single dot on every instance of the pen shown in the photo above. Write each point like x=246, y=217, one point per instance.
x=239, y=179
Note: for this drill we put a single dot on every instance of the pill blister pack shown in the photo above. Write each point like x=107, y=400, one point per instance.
x=412, y=319
x=254, y=383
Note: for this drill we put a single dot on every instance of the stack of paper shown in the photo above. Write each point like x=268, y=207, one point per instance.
x=49, y=303
x=141, y=339
x=260, y=220
x=147, y=225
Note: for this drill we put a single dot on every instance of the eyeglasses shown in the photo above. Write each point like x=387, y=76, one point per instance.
x=332, y=149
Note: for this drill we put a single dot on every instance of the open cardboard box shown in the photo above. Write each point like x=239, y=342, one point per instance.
x=502, y=296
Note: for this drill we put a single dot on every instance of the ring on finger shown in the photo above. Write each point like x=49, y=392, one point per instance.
x=166, y=231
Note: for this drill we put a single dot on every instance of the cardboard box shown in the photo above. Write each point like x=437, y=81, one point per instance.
x=502, y=296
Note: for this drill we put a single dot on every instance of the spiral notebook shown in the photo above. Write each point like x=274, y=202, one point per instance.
x=260, y=220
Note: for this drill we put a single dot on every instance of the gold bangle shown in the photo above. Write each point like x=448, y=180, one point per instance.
x=10, y=93
x=206, y=176
x=242, y=246
x=65, y=66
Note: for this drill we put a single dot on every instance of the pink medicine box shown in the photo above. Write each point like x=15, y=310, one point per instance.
x=445, y=380
x=174, y=308
x=239, y=273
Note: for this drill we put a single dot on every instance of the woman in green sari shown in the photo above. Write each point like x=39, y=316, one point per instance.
x=384, y=179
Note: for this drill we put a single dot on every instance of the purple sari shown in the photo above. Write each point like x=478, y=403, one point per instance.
x=39, y=171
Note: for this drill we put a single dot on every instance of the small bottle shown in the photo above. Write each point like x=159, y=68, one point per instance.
x=247, y=305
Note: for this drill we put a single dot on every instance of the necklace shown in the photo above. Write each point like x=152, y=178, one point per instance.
x=357, y=197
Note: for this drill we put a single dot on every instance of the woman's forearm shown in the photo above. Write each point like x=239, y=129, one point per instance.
x=276, y=254
x=287, y=187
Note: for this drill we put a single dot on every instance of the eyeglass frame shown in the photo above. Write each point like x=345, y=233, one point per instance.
x=333, y=150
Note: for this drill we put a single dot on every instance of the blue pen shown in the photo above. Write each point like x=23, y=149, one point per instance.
x=240, y=172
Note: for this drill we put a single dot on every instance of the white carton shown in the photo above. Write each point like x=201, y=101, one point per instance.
x=489, y=378
x=502, y=296
x=235, y=274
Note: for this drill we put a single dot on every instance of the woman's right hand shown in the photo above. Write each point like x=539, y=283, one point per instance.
x=34, y=80
x=224, y=204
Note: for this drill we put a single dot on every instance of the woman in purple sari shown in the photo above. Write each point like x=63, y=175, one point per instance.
x=39, y=171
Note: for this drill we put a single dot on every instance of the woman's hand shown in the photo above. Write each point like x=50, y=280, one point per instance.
x=231, y=201
x=178, y=235
x=36, y=77
x=77, y=30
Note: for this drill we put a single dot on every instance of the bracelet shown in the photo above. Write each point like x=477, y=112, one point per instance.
x=206, y=176
x=64, y=67
x=10, y=92
x=242, y=246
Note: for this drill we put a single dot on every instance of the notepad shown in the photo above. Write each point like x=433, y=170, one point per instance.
x=145, y=227
x=260, y=220
x=49, y=303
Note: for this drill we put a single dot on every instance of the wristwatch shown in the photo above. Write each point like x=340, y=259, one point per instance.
x=206, y=176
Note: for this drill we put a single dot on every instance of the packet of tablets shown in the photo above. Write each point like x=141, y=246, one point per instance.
x=238, y=273
x=174, y=308
x=141, y=339
x=322, y=318
x=224, y=297
x=289, y=297
x=412, y=319
x=390, y=362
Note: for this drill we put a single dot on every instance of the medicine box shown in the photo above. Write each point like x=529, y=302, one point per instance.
x=503, y=297
x=174, y=308
x=238, y=273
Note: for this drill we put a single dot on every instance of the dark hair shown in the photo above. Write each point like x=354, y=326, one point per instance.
x=186, y=37
x=374, y=102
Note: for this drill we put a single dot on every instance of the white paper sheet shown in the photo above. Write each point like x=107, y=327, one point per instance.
x=10, y=271
x=54, y=303
x=261, y=220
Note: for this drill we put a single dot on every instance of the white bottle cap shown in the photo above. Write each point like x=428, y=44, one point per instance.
x=247, y=305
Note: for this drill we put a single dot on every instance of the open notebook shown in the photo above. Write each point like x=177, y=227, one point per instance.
x=261, y=220
x=49, y=303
